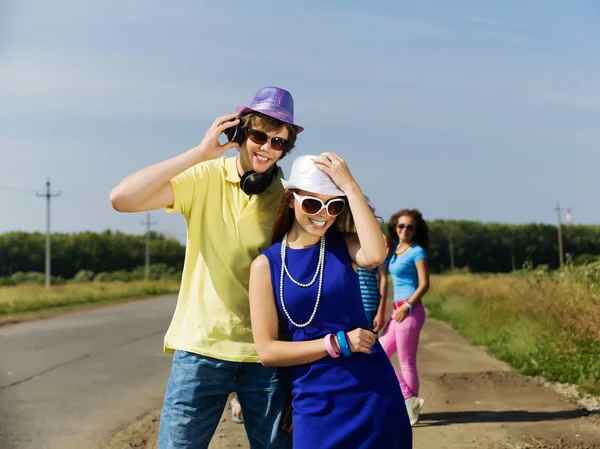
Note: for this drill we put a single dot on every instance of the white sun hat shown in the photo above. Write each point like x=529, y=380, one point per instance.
x=306, y=176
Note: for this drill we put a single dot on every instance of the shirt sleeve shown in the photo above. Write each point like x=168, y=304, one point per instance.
x=189, y=189
x=419, y=254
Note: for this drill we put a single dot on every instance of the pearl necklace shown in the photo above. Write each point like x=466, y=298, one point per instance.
x=319, y=272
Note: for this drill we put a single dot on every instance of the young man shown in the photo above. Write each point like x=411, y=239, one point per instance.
x=229, y=206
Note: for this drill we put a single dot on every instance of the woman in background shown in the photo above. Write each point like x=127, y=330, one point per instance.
x=409, y=238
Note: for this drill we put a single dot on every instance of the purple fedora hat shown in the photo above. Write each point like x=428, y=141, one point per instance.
x=274, y=102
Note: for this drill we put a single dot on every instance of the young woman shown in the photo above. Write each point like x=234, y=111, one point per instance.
x=410, y=275
x=344, y=391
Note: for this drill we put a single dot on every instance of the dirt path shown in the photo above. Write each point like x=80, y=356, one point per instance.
x=472, y=401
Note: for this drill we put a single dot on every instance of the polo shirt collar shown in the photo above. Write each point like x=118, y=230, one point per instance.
x=231, y=172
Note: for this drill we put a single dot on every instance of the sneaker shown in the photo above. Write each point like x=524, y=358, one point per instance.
x=413, y=406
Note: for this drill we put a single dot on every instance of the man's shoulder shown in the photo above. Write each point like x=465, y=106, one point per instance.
x=216, y=164
x=205, y=167
x=214, y=170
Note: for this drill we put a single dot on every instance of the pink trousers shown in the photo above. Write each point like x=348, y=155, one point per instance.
x=403, y=337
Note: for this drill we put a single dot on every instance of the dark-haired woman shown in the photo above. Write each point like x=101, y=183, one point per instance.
x=344, y=391
x=408, y=268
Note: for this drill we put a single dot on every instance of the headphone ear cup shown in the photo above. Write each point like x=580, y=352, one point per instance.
x=235, y=134
x=253, y=183
x=244, y=179
x=240, y=134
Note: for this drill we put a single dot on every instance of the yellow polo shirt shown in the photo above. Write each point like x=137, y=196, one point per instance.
x=226, y=231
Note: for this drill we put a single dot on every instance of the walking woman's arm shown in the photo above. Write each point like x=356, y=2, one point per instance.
x=423, y=275
x=149, y=188
x=263, y=313
x=379, y=321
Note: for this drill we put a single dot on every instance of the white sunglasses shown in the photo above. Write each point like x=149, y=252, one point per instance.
x=313, y=206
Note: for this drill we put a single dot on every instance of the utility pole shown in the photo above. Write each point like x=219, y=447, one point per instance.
x=451, y=249
x=560, y=242
x=512, y=252
x=48, y=195
x=148, y=224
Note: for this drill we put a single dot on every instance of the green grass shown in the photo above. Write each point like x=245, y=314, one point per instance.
x=27, y=299
x=533, y=344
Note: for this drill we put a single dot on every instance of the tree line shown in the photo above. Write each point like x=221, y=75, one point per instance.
x=479, y=247
x=497, y=248
x=97, y=252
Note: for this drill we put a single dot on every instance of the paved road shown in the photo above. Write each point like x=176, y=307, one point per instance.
x=73, y=381
x=472, y=402
x=68, y=380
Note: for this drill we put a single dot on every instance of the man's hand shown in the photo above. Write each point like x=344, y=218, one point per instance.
x=210, y=148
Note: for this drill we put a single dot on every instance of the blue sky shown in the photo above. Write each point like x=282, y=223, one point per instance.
x=474, y=110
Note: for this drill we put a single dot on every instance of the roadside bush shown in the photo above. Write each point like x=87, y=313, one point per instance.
x=83, y=276
x=6, y=281
x=30, y=277
x=104, y=277
x=159, y=271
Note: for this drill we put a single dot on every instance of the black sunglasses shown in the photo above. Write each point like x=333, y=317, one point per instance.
x=408, y=227
x=260, y=138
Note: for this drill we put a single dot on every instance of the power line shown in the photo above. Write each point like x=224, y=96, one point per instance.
x=48, y=195
x=16, y=189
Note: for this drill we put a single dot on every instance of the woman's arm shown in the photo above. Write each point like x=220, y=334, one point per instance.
x=263, y=313
x=367, y=247
x=379, y=321
x=423, y=274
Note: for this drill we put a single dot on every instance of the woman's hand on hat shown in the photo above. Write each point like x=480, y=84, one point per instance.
x=361, y=340
x=210, y=147
x=337, y=169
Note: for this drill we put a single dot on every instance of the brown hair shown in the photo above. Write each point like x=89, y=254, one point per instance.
x=421, y=237
x=268, y=123
x=284, y=218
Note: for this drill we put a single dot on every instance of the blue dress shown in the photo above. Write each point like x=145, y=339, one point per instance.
x=346, y=403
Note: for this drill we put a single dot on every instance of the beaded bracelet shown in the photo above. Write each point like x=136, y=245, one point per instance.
x=329, y=346
x=343, y=343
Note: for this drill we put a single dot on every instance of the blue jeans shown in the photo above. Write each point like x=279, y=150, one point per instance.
x=197, y=392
